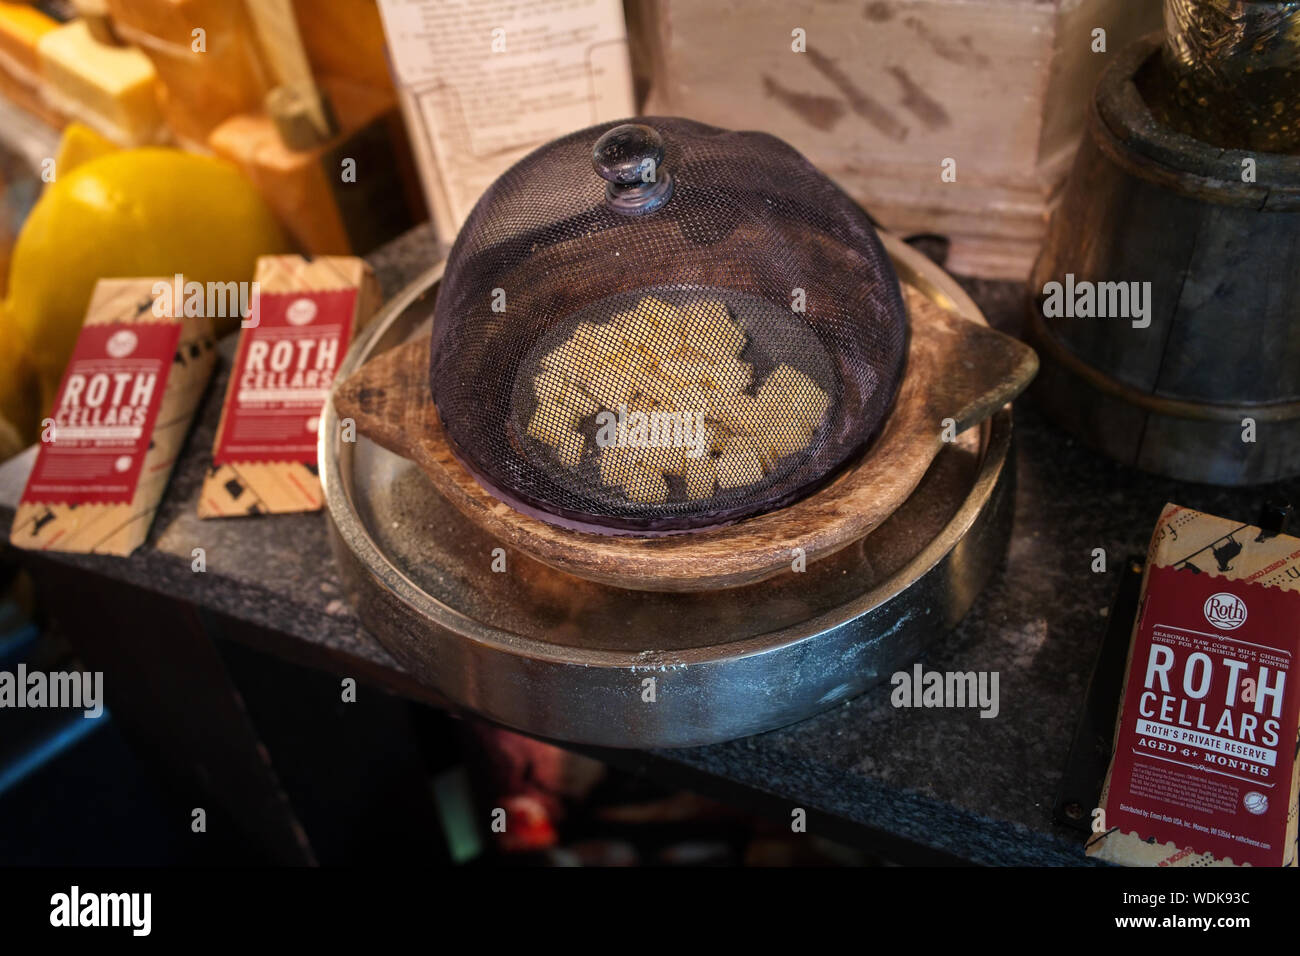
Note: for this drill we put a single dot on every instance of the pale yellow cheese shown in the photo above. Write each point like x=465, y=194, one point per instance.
x=701, y=476
x=646, y=486
x=109, y=88
x=570, y=448
x=680, y=367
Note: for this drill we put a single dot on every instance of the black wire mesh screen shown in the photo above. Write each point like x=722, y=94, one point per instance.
x=711, y=360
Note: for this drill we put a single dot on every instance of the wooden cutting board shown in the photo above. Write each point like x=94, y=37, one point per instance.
x=956, y=369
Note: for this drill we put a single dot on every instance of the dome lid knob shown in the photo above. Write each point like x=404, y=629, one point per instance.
x=630, y=159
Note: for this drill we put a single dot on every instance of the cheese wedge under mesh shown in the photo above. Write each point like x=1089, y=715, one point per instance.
x=683, y=398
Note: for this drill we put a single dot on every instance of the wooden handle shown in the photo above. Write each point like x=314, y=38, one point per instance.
x=977, y=372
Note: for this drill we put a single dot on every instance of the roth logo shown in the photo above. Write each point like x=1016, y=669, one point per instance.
x=1225, y=611
x=300, y=311
x=121, y=344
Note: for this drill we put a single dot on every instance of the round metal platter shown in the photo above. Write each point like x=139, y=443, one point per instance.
x=561, y=657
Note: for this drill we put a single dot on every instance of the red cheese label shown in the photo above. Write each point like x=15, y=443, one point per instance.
x=1208, y=736
x=282, y=376
x=104, y=414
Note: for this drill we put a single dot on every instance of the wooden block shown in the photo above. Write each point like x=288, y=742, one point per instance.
x=887, y=89
x=345, y=38
x=198, y=89
x=325, y=214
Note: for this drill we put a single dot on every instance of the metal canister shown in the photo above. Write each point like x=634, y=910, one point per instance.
x=1230, y=73
x=1171, y=335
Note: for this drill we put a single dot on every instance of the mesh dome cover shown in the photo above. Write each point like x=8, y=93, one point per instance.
x=753, y=319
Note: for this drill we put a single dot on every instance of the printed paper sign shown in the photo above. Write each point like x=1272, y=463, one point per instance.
x=104, y=414
x=282, y=376
x=482, y=84
x=1204, y=758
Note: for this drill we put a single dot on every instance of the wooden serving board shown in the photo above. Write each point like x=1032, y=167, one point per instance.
x=956, y=369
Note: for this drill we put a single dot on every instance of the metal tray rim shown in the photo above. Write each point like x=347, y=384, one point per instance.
x=334, y=461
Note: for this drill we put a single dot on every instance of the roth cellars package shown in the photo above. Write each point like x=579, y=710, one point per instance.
x=305, y=313
x=119, y=418
x=1204, y=769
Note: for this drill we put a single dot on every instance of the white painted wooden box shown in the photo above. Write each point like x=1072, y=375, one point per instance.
x=886, y=90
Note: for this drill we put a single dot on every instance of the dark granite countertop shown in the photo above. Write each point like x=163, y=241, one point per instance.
x=943, y=779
